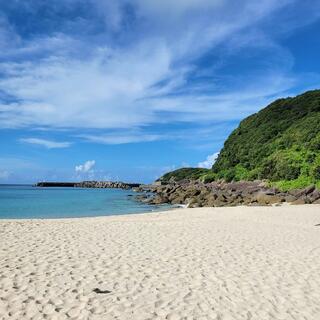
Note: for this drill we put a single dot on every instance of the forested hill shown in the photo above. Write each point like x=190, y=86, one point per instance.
x=280, y=143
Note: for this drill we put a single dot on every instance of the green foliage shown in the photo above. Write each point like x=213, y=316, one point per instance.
x=280, y=143
x=299, y=183
x=315, y=169
x=184, y=173
x=208, y=177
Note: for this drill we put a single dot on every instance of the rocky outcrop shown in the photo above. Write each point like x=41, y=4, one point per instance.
x=219, y=194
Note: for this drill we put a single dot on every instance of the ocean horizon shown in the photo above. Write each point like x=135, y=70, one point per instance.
x=23, y=201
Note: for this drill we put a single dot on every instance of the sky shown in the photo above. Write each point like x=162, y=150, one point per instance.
x=128, y=90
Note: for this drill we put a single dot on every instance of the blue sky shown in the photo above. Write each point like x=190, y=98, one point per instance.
x=96, y=89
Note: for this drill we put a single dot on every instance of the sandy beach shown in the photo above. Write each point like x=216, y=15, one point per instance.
x=209, y=263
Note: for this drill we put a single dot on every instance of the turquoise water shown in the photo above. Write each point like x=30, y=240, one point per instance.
x=18, y=201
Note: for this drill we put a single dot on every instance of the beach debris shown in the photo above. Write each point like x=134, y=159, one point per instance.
x=99, y=291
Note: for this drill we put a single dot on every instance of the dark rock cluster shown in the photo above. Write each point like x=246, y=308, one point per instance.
x=220, y=194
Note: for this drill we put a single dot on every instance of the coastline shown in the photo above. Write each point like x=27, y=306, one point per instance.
x=30, y=202
x=161, y=210
x=201, y=263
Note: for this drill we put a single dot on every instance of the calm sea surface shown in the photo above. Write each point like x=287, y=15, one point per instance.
x=17, y=201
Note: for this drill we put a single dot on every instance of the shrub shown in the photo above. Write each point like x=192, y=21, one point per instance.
x=208, y=177
x=299, y=183
x=315, y=171
x=184, y=173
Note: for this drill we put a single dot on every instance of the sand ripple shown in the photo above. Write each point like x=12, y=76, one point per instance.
x=208, y=263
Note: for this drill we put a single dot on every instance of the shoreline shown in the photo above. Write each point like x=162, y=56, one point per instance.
x=201, y=263
x=161, y=211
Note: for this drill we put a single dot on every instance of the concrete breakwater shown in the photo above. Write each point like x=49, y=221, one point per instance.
x=90, y=184
x=55, y=184
x=106, y=184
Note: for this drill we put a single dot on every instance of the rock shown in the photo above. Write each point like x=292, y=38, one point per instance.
x=309, y=189
x=296, y=193
x=193, y=192
x=193, y=203
x=263, y=185
x=271, y=192
x=266, y=199
x=141, y=197
x=178, y=200
x=159, y=199
x=302, y=192
x=314, y=196
x=99, y=291
x=219, y=203
x=210, y=201
x=289, y=198
x=299, y=201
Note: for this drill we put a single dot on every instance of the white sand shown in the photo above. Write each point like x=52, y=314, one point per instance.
x=225, y=263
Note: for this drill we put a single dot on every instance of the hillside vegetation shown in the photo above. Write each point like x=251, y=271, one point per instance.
x=184, y=174
x=280, y=143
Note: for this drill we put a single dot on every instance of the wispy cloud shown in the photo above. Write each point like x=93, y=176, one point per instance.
x=4, y=174
x=59, y=83
x=49, y=144
x=122, y=138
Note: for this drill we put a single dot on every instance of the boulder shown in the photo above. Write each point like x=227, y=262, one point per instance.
x=264, y=198
x=159, y=200
x=180, y=199
x=194, y=203
x=314, y=196
x=309, y=189
x=289, y=198
x=301, y=200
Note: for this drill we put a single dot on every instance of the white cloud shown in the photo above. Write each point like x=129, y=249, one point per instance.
x=87, y=167
x=122, y=138
x=49, y=144
x=63, y=92
x=118, y=87
x=4, y=174
x=209, y=161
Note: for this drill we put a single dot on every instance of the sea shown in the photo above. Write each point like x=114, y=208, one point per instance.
x=28, y=202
